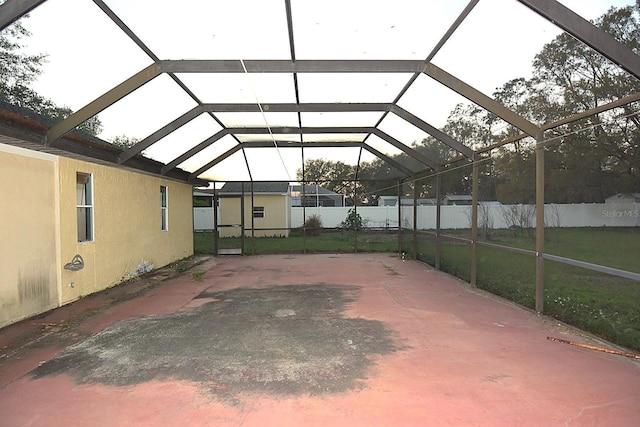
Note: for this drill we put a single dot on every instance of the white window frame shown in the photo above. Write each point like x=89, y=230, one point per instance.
x=84, y=204
x=164, y=208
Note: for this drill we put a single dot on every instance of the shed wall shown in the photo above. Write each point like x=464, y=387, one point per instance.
x=276, y=221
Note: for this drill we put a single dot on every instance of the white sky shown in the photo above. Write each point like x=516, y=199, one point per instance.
x=88, y=55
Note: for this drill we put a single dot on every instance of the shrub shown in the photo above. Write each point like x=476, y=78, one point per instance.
x=353, y=221
x=313, y=225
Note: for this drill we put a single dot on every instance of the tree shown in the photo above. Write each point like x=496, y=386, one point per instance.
x=470, y=125
x=600, y=155
x=124, y=141
x=332, y=175
x=516, y=180
x=585, y=161
x=16, y=68
x=377, y=178
x=588, y=160
x=19, y=70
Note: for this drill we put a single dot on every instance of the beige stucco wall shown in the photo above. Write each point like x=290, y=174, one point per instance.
x=38, y=229
x=28, y=234
x=126, y=226
x=277, y=214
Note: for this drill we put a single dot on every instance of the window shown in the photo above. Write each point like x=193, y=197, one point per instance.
x=202, y=201
x=258, y=211
x=84, y=203
x=163, y=207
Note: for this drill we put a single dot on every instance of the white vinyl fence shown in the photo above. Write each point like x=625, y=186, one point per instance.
x=456, y=217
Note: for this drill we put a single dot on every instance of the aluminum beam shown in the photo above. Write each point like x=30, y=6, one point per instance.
x=287, y=144
x=594, y=267
x=289, y=66
x=159, y=134
x=286, y=130
x=586, y=32
x=407, y=150
x=540, y=232
x=215, y=161
x=591, y=112
x=437, y=134
x=347, y=107
x=291, y=107
x=323, y=130
x=331, y=144
x=481, y=99
x=388, y=159
x=125, y=29
x=311, y=130
x=255, y=144
x=195, y=150
x=292, y=144
x=298, y=108
x=463, y=15
x=12, y=10
x=101, y=103
x=134, y=37
x=452, y=29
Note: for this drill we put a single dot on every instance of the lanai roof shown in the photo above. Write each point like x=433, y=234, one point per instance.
x=249, y=89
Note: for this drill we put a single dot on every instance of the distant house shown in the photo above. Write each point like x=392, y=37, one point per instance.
x=457, y=200
x=624, y=198
x=268, y=215
x=404, y=201
x=315, y=196
x=388, y=201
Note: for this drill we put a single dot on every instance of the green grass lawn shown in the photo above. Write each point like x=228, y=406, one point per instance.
x=601, y=304
x=604, y=305
x=326, y=242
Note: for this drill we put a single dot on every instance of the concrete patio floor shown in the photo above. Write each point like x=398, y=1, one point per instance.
x=307, y=340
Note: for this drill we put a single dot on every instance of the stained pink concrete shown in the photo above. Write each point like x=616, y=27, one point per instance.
x=467, y=358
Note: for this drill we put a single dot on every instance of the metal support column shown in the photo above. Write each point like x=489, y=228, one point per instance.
x=438, y=212
x=400, y=249
x=474, y=223
x=303, y=199
x=539, y=222
x=242, y=218
x=415, y=220
x=215, y=220
x=356, y=228
x=253, y=223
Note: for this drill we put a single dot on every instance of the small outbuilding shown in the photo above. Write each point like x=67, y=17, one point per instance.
x=261, y=209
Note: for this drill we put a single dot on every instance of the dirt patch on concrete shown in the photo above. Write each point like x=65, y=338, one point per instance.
x=283, y=340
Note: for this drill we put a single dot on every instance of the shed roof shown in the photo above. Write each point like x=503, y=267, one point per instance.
x=258, y=188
